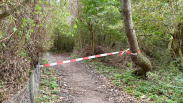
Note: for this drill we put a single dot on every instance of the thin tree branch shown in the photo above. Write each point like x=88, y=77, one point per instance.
x=8, y=36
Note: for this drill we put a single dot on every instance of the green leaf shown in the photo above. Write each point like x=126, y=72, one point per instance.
x=3, y=44
x=76, y=20
x=14, y=29
x=2, y=82
x=33, y=24
x=8, y=2
x=75, y=26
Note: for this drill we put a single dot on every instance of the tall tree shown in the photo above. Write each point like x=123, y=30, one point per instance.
x=139, y=59
x=175, y=42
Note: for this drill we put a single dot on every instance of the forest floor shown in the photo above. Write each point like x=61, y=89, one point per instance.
x=80, y=83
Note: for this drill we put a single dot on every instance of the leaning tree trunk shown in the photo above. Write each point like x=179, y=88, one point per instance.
x=139, y=59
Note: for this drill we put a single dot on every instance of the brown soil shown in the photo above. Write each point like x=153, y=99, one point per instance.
x=80, y=83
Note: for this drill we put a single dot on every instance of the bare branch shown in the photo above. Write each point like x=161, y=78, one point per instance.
x=8, y=36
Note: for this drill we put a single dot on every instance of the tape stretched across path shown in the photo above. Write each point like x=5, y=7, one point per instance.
x=89, y=57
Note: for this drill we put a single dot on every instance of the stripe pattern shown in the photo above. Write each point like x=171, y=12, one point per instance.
x=89, y=57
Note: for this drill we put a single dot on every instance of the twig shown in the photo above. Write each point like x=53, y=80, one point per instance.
x=8, y=36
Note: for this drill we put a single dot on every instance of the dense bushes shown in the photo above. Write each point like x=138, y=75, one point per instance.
x=24, y=36
x=63, y=43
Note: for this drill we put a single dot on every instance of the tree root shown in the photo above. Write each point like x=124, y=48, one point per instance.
x=142, y=62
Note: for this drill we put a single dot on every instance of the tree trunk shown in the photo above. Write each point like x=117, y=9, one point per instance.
x=80, y=42
x=92, y=41
x=92, y=37
x=175, y=43
x=139, y=59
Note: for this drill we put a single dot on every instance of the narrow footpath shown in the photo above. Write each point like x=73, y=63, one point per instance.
x=80, y=83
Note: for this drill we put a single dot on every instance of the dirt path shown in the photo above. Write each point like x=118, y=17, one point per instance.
x=79, y=83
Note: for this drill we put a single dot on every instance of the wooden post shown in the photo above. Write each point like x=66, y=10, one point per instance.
x=31, y=88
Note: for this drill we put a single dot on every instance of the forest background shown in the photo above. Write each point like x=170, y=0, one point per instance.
x=30, y=28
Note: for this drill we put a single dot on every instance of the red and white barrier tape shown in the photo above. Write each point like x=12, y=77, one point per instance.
x=90, y=57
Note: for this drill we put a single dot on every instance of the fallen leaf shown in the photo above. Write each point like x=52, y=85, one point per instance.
x=148, y=99
x=61, y=97
x=143, y=96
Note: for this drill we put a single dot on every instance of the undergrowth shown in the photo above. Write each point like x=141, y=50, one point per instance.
x=25, y=34
x=162, y=85
x=48, y=85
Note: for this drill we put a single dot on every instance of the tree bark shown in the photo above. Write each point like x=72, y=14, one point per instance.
x=175, y=43
x=92, y=41
x=139, y=59
x=92, y=37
